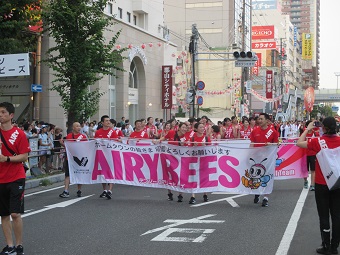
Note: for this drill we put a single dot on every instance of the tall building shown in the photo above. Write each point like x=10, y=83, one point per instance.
x=305, y=16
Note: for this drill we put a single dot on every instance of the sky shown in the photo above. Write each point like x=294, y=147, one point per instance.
x=330, y=43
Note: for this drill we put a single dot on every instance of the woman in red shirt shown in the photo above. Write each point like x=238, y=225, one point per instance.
x=245, y=129
x=175, y=138
x=327, y=201
x=311, y=159
x=199, y=139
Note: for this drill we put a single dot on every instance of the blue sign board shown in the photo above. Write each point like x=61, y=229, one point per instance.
x=264, y=4
x=36, y=88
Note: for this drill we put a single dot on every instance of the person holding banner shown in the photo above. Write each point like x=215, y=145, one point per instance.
x=106, y=132
x=77, y=136
x=245, y=129
x=139, y=132
x=260, y=137
x=327, y=201
x=175, y=138
x=14, y=149
x=199, y=139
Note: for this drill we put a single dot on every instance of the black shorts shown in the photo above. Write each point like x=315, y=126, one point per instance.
x=311, y=163
x=12, y=197
x=66, y=169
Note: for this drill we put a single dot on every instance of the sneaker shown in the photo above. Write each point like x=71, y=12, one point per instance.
x=256, y=199
x=170, y=197
x=65, y=194
x=20, y=250
x=180, y=198
x=103, y=194
x=79, y=193
x=109, y=194
x=305, y=185
x=8, y=250
x=265, y=202
x=312, y=188
x=192, y=201
x=205, y=198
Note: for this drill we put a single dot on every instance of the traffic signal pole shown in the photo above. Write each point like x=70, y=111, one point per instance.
x=193, y=51
x=244, y=69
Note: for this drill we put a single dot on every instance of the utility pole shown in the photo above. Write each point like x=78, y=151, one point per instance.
x=193, y=51
x=243, y=69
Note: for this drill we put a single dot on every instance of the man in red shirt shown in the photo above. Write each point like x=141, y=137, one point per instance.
x=14, y=150
x=76, y=136
x=106, y=132
x=139, y=132
x=262, y=135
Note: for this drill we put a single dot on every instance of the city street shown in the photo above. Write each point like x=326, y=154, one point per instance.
x=142, y=221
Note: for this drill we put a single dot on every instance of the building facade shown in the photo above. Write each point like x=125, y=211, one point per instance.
x=136, y=92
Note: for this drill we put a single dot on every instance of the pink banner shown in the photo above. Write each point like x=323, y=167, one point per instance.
x=291, y=161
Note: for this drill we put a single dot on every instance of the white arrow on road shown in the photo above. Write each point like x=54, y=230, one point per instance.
x=230, y=200
x=182, y=222
x=58, y=205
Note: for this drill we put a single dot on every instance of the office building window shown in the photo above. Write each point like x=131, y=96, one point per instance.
x=128, y=17
x=109, y=8
x=120, y=12
x=135, y=20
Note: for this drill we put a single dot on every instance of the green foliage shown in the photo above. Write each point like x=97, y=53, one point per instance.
x=180, y=113
x=324, y=110
x=207, y=110
x=81, y=57
x=15, y=18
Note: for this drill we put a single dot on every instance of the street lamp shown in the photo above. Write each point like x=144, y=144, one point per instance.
x=337, y=74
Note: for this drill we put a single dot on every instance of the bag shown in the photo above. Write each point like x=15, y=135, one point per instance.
x=329, y=161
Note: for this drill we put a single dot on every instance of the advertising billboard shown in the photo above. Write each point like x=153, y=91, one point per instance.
x=166, y=87
x=263, y=45
x=264, y=4
x=262, y=32
x=307, y=46
x=269, y=84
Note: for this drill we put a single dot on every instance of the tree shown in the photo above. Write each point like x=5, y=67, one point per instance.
x=81, y=57
x=15, y=18
x=324, y=110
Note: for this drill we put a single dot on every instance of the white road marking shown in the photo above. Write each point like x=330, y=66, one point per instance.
x=57, y=205
x=164, y=236
x=181, y=222
x=43, y=191
x=292, y=225
x=228, y=199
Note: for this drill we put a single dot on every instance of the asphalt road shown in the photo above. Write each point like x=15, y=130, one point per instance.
x=142, y=221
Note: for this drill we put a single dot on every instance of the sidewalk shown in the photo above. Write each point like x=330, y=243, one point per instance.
x=38, y=181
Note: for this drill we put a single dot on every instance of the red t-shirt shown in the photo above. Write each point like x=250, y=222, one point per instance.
x=152, y=131
x=199, y=140
x=139, y=134
x=245, y=133
x=310, y=152
x=108, y=133
x=332, y=142
x=16, y=140
x=268, y=135
x=174, y=138
x=119, y=132
x=229, y=132
x=76, y=137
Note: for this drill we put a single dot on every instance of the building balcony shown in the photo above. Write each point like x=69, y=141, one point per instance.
x=140, y=6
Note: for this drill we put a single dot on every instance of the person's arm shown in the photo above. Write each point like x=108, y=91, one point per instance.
x=302, y=143
x=17, y=158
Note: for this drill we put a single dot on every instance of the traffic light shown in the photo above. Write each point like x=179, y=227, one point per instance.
x=190, y=96
x=247, y=56
x=245, y=59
